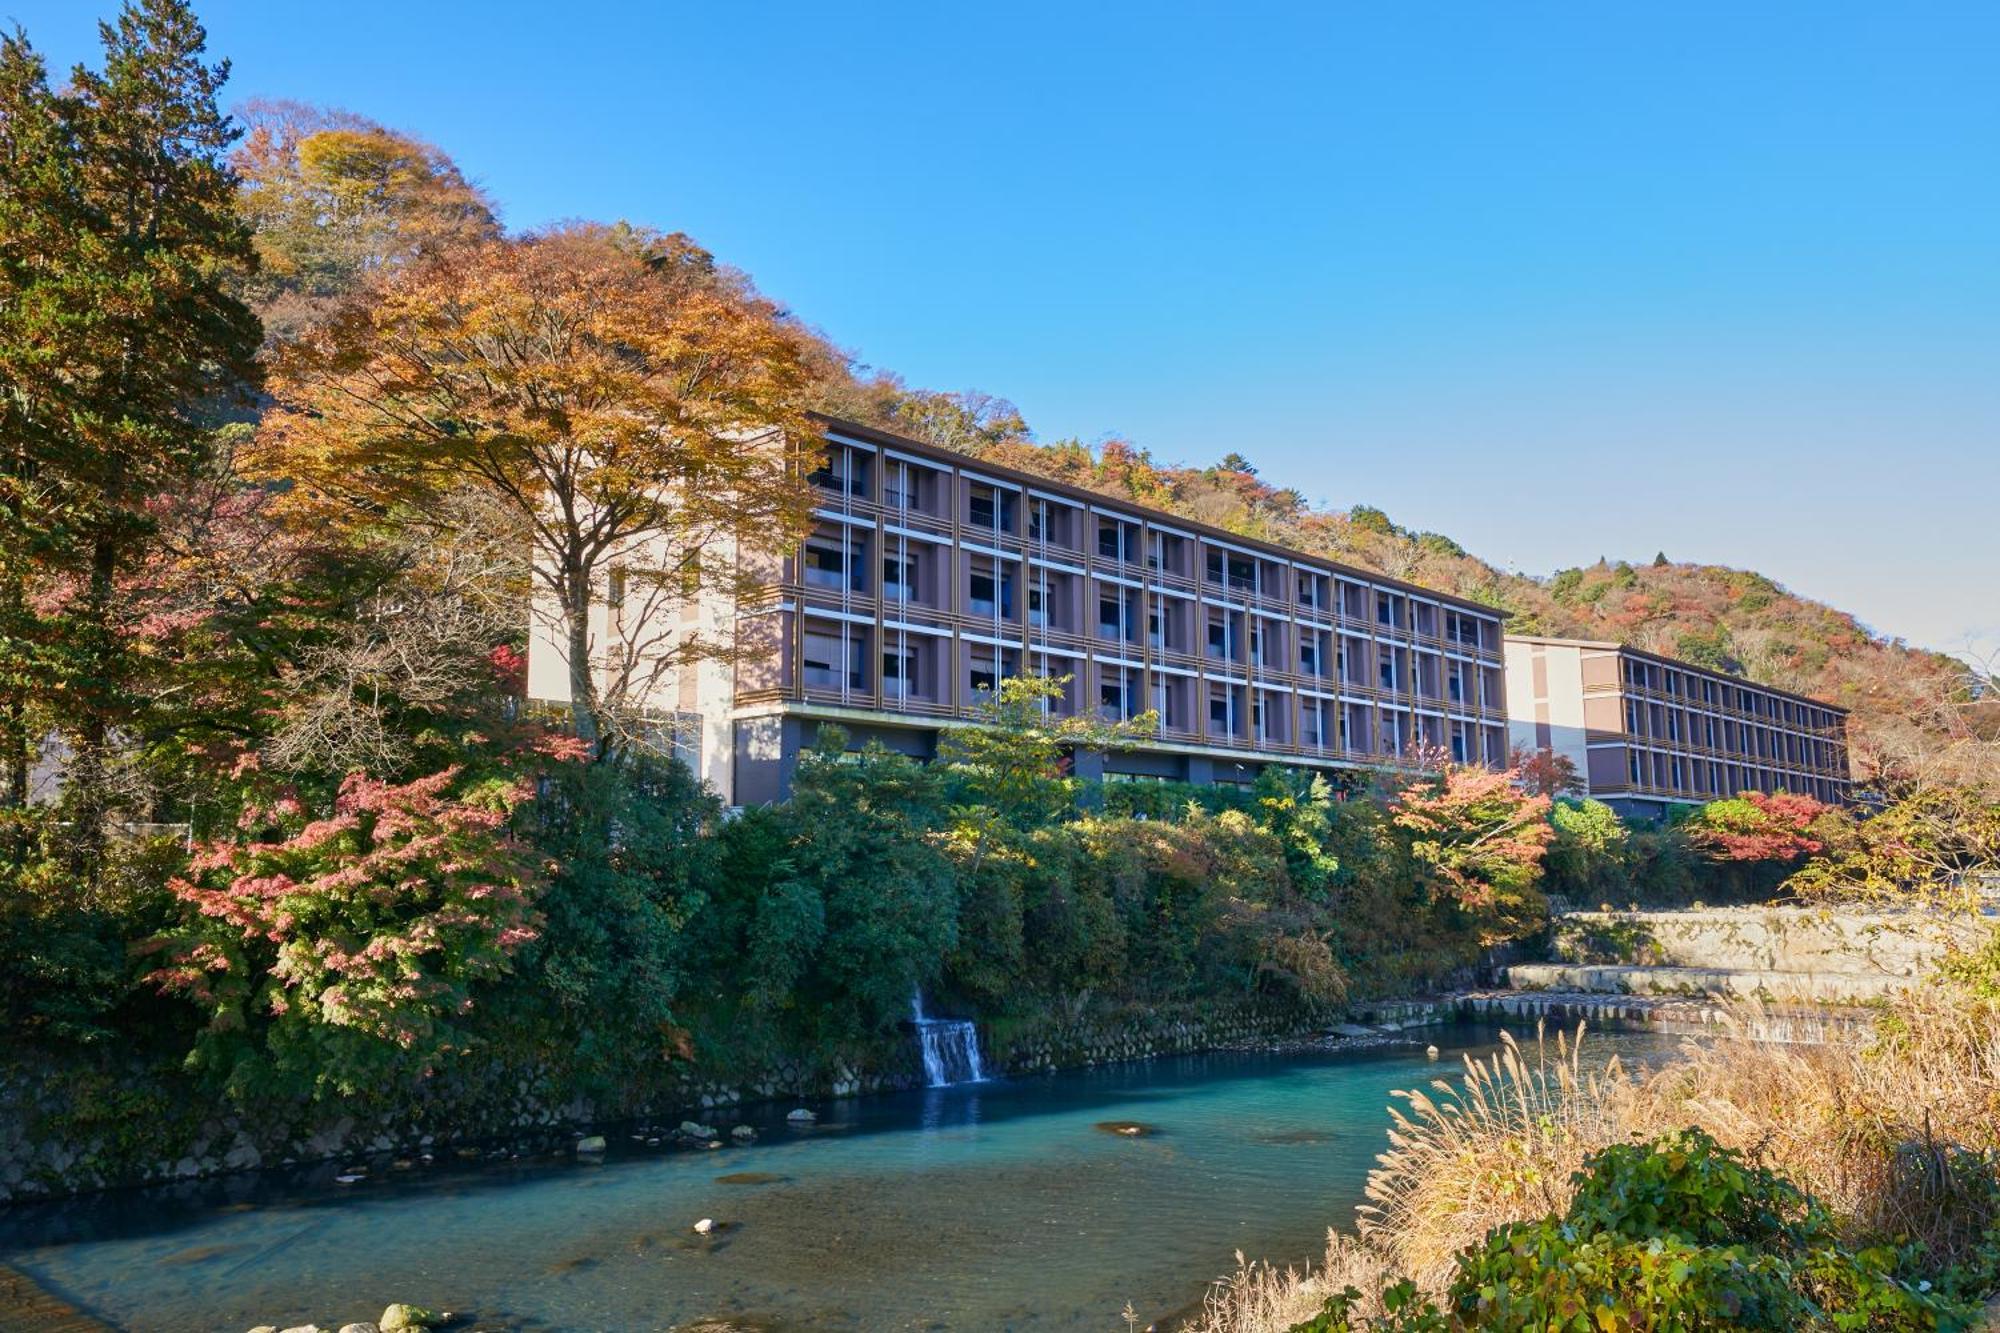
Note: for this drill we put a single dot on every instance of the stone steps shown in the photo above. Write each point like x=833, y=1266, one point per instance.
x=1728, y=983
x=1808, y=1025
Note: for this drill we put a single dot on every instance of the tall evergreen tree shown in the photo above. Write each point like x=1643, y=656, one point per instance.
x=123, y=338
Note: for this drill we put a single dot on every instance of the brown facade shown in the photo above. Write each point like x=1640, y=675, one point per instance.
x=1652, y=729
x=929, y=577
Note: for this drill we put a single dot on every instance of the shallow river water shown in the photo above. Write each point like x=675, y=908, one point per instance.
x=1000, y=1206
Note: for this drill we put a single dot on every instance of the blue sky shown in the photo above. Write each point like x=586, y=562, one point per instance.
x=1721, y=280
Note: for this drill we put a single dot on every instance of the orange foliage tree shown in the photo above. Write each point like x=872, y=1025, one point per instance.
x=636, y=406
x=1480, y=837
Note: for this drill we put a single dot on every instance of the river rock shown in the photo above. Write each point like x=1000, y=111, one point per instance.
x=265, y=1328
x=360, y=1328
x=743, y=1133
x=802, y=1117
x=1354, y=1030
x=588, y=1146
x=1128, y=1129
x=302, y=1328
x=694, y=1129
x=399, y=1317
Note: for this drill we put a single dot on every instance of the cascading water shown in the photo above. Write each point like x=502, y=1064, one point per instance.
x=950, y=1047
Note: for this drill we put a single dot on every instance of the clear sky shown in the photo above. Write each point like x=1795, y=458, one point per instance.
x=1721, y=280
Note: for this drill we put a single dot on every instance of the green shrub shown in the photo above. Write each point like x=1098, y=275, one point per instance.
x=1680, y=1233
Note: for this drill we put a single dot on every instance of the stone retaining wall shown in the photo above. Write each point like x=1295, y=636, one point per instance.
x=1766, y=939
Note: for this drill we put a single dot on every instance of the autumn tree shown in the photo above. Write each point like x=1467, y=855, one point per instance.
x=1479, y=839
x=1543, y=772
x=119, y=335
x=1929, y=846
x=1756, y=826
x=336, y=199
x=637, y=408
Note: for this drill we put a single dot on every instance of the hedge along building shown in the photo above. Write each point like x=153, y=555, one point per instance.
x=928, y=577
x=1648, y=732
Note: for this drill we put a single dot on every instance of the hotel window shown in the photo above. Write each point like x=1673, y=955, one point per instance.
x=988, y=666
x=902, y=487
x=1222, y=709
x=1460, y=752
x=1312, y=729
x=1118, y=614
x=828, y=658
x=845, y=472
x=1632, y=768
x=899, y=577
x=1454, y=681
x=1117, y=541
x=990, y=508
x=899, y=673
x=1048, y=523
x=832, y=563
x=1386, y=669
x=1221, y=635
x=1388, y=610
x=1309, y=658
x=1118, y=693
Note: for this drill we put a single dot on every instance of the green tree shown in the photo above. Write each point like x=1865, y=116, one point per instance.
x=1297, y=806
x=1586, y=857
x=1008, y=770
x=120, y=336
x=633, y=850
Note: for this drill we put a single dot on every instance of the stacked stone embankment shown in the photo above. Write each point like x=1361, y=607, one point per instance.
x=1780, y=955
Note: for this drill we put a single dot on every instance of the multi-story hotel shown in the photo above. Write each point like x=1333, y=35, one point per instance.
x=929, y=576
x=1648, y=732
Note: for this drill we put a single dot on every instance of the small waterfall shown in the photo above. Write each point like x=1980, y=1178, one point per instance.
x=950, y=1047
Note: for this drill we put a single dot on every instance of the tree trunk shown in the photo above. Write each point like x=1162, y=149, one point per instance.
x=85, y=785
x=582, y=676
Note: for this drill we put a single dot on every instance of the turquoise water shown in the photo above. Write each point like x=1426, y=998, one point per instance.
x=996, y=1207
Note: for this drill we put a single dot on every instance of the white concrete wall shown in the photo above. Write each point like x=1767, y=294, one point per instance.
x=1559, y=703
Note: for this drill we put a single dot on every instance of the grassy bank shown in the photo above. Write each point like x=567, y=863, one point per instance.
x=1896, y=1139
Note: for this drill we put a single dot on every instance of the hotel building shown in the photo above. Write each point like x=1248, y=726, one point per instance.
x=1648, y=732
x=929, y=576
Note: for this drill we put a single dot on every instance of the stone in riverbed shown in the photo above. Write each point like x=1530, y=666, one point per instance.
x=692, y=1129
x=802, y=1117
x=587, y=1146
x=743, y=1133
x=1129, y=1129
x=400, y=1318
x=359, y=1328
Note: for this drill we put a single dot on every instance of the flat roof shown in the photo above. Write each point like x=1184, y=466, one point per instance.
x=953, y=457
x=1609, y=646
